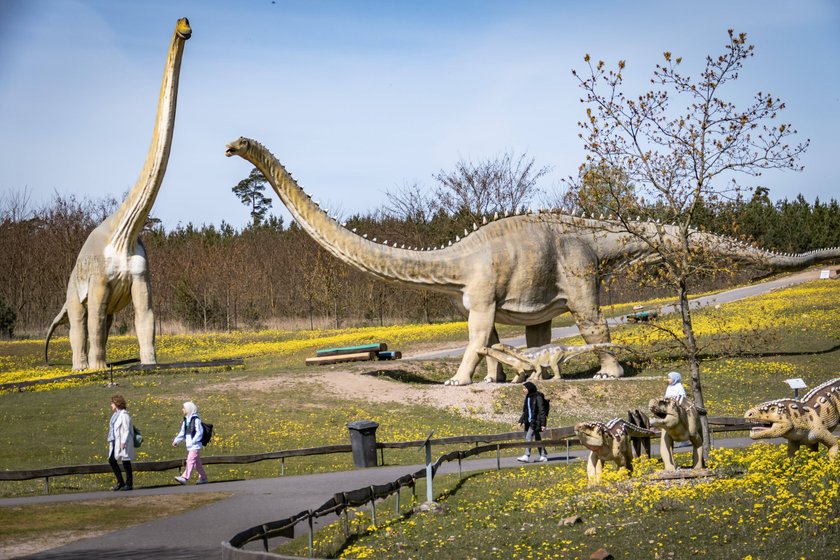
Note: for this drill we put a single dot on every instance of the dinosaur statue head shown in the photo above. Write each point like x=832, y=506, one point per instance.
x=183, y=29
x=237, y=147
x=594, y=435
x=774, y=418
x=667, y=412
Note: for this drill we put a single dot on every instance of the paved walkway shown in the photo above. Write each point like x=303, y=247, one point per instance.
x=197, y=534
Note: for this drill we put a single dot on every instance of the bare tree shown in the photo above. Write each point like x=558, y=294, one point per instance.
x=677, y=160
x=504, y=183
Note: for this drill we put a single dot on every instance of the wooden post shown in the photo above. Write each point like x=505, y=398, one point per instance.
x=429, y=493
x=398, y=500
x=309, y=520
x=381, y=456
x=498, y=458
x=282, y=466
x=46, y=485
x=372, y=507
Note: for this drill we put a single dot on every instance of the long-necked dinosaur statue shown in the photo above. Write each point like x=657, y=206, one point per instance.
x=520, y=270
x=111, y=269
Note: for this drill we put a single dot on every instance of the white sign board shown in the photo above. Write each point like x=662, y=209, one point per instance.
x=825, y=274
x=796, y=383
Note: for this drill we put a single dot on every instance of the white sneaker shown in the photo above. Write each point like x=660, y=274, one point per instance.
x=181, y=479
x=524, y=459
x=543, y=459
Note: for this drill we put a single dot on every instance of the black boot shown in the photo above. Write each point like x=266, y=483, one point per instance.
x=129, y=476
x=117, y=473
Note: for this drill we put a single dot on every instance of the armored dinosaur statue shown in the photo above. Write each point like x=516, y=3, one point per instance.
x=520, y=270
x=808, y=421
x=111, y=269
x=679, y=420
x=609, y=442
x=531, y=361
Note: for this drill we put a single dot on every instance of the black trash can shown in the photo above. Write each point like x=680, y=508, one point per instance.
x=363, y=442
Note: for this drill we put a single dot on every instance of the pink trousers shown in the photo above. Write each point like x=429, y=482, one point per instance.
x=194, y=462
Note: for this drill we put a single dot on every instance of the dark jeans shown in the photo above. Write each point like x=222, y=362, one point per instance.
x=129, y=474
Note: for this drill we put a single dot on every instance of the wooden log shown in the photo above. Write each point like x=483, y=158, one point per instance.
x=377, y=347
x=356, y=357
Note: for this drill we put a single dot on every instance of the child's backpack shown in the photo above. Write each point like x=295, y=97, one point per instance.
x=206, y=431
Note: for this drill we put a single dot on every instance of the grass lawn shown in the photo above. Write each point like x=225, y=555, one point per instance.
x=30, y=528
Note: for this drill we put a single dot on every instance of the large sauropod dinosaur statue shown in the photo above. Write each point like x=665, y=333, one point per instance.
x=111, y=268
x=518, y=270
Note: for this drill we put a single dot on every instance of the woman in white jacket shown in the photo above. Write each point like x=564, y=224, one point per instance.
x=121, y=443
x=191, y=433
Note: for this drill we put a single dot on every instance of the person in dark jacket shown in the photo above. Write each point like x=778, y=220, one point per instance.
x=533, y=420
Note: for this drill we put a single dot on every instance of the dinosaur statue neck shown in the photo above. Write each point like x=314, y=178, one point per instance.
x=130, y=218
x=438, y=270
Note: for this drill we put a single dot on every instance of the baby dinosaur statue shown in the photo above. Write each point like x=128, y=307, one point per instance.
x=529, y=363
x=111, y=269
x=612, y=441
x=808, y=421
x=519, y=270
x=679, y=420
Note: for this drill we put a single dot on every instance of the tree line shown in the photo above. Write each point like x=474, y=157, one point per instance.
x=272, y=274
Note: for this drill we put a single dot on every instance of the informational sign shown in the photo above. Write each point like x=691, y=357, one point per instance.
x=825, y=274
x=796, y=383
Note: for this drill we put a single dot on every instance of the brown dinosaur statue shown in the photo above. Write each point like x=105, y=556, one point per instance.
x=679, y=420
x=808, y=421
x=521, y=270
x=111, y=269
x=611, y=441
x=529, y=363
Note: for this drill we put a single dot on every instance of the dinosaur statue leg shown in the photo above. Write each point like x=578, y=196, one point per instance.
x=97, y=320
x=666, y=450
x=480, y=324
x=537, y=335
x=829, y=440
x=495, y=372
x=77, y=319
x=594, y=466
x=594, y=331
x=792, y=448
x=591, y=324
x=144, y=318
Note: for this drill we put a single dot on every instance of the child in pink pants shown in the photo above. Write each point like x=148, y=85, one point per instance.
x=191, y=433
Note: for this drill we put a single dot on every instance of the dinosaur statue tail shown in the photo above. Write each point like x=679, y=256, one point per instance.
x=60, y=319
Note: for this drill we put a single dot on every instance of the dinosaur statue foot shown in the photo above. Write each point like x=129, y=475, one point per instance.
x=606, y=375
x=455, y=382
x=494, y=379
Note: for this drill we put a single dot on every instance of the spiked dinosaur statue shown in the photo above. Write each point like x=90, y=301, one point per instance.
x=679, y=420
x=808, y=421
x=520, y=270
x=111, y=269
x=611, y=441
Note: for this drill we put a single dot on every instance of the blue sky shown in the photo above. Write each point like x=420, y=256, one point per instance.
x=357, y=98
